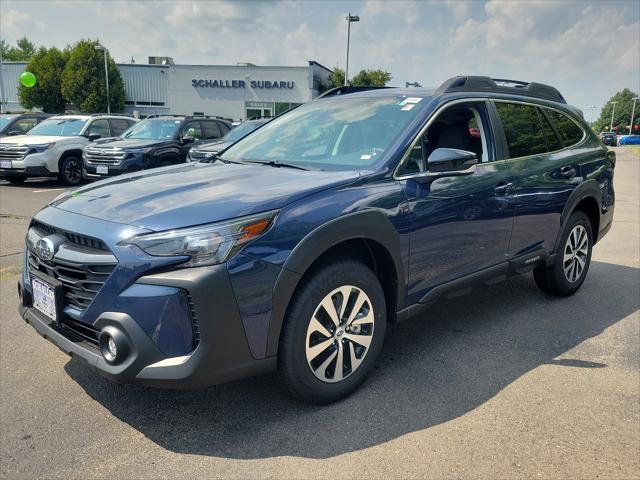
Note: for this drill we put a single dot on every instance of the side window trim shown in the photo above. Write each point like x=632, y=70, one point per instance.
x=430, y=119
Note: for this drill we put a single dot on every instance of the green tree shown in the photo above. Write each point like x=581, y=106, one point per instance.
x=24, y=51
x=622, y=113
x=371, y=78
x=47, y=65
x=364, y=78
x=83, y=80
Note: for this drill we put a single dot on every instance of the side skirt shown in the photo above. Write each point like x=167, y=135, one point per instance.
x=488, y=276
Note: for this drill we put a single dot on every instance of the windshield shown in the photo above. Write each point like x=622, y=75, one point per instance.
x=332, y=134
x=153, y=129
x=58, y=127
x=240, y=131
x=5, y=120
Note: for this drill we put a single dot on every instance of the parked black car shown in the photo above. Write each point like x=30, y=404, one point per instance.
x=209, y=149
x=157, y=141
x=19, y=123
x=609, y=138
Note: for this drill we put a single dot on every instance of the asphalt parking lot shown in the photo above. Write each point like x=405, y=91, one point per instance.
x=502, y=383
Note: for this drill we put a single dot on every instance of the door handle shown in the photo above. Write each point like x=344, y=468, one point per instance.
x=568, y=172
x=503, y=188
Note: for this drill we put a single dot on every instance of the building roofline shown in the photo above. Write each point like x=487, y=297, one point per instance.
x=313, y=62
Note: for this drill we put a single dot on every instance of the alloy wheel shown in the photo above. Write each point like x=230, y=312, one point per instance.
x=339, y=334
x=72, y=172
x=576, y=251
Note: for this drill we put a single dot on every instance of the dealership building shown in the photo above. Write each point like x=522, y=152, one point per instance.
x=231, y=91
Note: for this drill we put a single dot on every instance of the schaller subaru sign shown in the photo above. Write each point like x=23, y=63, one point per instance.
x=242, y=84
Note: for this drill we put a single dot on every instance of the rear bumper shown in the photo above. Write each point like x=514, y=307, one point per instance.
x=222, y=354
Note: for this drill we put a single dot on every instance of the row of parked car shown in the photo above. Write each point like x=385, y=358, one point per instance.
x=73, y=147
x=611, y=139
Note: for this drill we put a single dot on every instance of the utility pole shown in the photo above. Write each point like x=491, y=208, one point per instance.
x=106, y=73
x=612, y=114
x=350, y=18
x=633, y=111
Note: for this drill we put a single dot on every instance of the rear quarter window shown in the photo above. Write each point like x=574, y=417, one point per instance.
x=570, y=133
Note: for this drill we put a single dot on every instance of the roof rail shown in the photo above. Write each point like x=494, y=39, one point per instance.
x=109, y=114
x=500, y=85
x=175, y=115
x=346, y=89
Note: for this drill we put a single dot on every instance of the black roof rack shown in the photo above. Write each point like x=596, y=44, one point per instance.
x=346, y=89
x=174, y=115
x=501, y=85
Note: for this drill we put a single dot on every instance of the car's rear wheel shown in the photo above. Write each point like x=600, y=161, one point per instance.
x=570, y=269
x=333, y=332
x=70, y=171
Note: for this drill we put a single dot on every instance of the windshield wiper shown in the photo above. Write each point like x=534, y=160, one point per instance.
x=223, y=160
x=275, y=163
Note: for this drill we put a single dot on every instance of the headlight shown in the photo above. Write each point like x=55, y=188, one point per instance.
x=40, y=148
x=207, y=244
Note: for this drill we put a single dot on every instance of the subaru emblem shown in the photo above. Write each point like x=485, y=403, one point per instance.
x=45, y=248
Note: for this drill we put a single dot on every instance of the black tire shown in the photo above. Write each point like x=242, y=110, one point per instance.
x=15, y=180
x=294, y=368
x=553, y=280
x=70, y=170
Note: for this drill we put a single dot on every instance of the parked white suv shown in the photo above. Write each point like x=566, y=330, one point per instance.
x=53, y=148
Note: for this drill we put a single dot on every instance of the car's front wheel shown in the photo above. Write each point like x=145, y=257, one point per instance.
x=70, y=171
x=333, y=332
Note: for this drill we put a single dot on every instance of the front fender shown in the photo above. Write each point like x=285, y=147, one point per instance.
x=370, y=224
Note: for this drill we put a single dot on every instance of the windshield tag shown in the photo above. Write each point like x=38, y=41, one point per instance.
x=408, y=107
x=365, y=157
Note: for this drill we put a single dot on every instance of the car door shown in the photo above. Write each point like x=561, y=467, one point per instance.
x=539, y=149
x=459, y=224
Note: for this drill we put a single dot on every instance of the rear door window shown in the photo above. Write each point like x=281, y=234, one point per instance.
x=522, y=128
x=570, y=133
x=25, y=124
x=553, y=142
x=210, y=130
x=118, y=126
x=191, y=129
x=224, y=128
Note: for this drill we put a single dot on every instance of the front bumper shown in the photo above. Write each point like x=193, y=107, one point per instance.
x=32, y=165
x=25, y=172
x=222, y=354
x=133, y=163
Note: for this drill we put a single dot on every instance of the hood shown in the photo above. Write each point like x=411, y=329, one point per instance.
x=128, y=143
x=32, y=139
x=196, y=193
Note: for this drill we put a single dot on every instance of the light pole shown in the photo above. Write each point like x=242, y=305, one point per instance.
x=633, y=111
x=612, y=114
x=412, y=84
x=350, y=18
x=106, y=73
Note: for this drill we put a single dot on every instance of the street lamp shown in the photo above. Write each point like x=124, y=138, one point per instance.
x=612, y=113
x=412, y=84
x=106, y=73
x=633, y=111
x=350, y=18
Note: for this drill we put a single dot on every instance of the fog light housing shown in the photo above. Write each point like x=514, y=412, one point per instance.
x=113, y=345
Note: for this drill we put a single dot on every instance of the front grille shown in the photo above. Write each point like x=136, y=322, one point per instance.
x=43, y=230
x=13, y=152
x=104, y=156
x=81, y=282
x=84, y=331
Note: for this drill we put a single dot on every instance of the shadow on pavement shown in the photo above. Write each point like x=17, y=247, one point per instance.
x=39, y=183
x=433, y=369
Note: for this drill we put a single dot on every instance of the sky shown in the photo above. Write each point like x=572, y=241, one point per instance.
x=587, y=49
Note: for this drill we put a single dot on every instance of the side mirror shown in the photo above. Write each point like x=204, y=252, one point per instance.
x=448, y=162
x=93, y=136
x=187, y=140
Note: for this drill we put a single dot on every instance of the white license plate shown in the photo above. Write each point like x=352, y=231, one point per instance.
x=102, y=170
x=44, y=297
x=5, y=163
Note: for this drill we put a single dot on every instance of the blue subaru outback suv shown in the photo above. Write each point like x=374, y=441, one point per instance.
x=293, y=248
